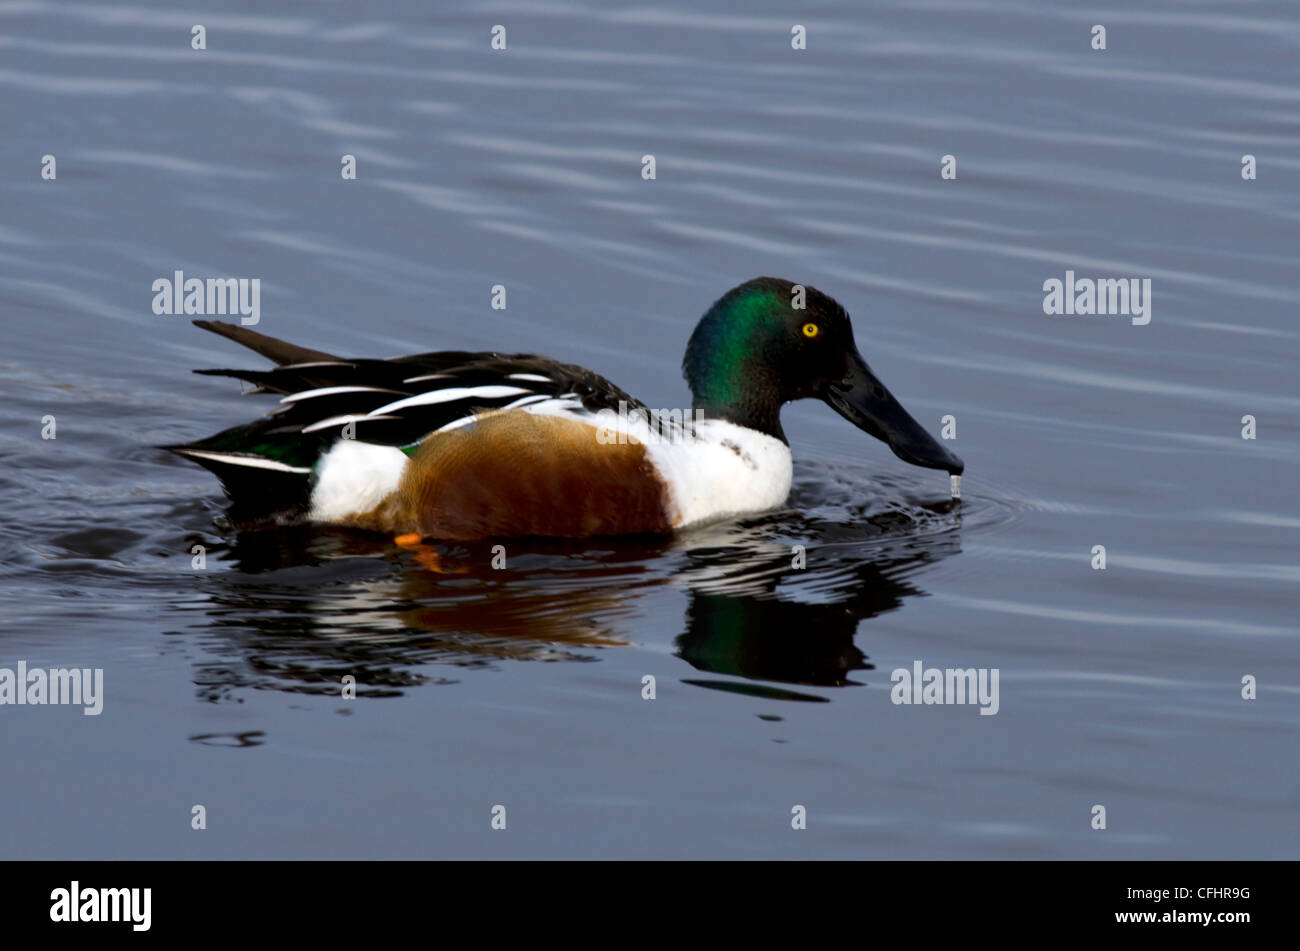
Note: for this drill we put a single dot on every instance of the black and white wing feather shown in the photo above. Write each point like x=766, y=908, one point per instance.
x=397, y=402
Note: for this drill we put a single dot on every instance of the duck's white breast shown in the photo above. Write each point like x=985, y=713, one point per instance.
x=724, y=470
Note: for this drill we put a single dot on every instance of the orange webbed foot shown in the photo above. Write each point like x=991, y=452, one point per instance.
x=425, y=554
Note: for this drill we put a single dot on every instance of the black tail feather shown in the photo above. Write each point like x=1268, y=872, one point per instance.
x=277, y=351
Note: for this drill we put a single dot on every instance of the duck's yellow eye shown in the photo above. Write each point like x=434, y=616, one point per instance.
x=811, y=330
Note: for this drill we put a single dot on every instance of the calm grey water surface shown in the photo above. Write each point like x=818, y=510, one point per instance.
x=523, y=687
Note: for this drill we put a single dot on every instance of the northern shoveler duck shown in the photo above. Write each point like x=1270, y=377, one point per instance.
x=458, y=446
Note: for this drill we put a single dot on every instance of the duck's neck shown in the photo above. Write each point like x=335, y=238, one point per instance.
x=727, y=385
x=731, y=375
x=758, y=416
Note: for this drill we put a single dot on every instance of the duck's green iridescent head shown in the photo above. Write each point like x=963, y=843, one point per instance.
x=769, y=341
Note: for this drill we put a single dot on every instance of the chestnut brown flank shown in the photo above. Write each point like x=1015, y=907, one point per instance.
x=514, y=473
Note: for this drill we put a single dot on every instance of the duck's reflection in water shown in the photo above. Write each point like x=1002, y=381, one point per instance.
x=789, y=613
x=301, y=607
